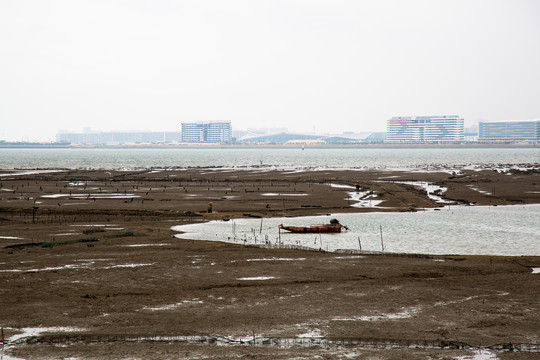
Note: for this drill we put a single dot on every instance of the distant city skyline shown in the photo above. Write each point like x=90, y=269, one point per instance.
x=175, y=135
x=308, y=65
x=442, y=129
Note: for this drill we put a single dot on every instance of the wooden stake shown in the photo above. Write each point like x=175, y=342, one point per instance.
x=382, y=243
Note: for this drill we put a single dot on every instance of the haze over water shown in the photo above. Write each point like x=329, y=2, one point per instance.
x=273, y=158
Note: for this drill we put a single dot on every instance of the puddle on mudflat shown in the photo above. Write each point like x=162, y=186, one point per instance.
x=71, y=204
x=145, y=245
x=78, y=183
x=277, y=259
x=36, y=331
x=86, y=264
x=431, y=190
x=31, y=172
x=257, y=278
x=29, y=332
x=126, y=266
x=404, y=314
x=341, y=186
x=360, y=198
x=92, y=260
x=90, y=196
x=472, y=187
x=364, y=199
x=173, y=306
x=479, y=355
x=51, y=268
x=314, y=333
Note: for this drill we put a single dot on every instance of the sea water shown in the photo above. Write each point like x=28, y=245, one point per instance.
x=272, y=158
x=464, y=230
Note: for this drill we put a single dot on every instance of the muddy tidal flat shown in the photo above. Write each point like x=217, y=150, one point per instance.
x=90, y=269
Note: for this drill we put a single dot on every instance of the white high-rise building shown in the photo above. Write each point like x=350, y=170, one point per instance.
x=425, y=129
x=207, y=132
x=510, y=130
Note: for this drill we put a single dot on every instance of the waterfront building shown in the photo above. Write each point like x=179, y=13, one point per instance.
x=515, y=130
x=118, y=137
x=291, y=138
x=425, y=129
x=471, y=133
x=207, y=132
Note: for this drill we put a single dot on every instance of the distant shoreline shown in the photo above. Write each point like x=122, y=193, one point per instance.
x=267, y=146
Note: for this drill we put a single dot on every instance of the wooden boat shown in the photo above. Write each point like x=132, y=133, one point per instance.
x=333, y=227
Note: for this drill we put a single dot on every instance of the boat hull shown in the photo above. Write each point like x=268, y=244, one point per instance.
x=312, y=229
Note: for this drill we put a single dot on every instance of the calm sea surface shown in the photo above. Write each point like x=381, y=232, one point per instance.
x=464, y=230
x=310, y=158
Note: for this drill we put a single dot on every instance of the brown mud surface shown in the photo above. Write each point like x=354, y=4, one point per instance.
x=93, y=251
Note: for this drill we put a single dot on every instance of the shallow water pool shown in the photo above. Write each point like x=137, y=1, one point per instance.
x=462, y=230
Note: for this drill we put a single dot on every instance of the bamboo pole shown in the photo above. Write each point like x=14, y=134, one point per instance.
x=382, y=243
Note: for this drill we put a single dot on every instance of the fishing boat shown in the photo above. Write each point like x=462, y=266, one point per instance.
x=333, y=227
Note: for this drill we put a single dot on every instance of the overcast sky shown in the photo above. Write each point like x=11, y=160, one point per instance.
x=308, y=65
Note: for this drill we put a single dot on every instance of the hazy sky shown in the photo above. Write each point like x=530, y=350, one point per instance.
x=328, y=66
